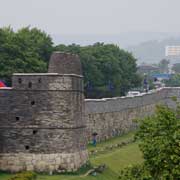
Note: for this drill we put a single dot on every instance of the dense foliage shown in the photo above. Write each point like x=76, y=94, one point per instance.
x=28, y=175
x=136, y=172
x=174, y=81
x=27, y=50
x=108, y=70
x=176, y=68
x=159, y=137
x=163, y=66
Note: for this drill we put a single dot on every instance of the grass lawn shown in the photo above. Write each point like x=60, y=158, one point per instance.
x=107, y=175
x=112, y=141
x=119, y=158
x=115, y=160
x=4, y=176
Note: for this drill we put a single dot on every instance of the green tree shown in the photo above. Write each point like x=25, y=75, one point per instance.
x=174, y=81
x=27, y=50
x=176, y=68
x=159, y=137
x=135, y=172
x=104, y=64
x=163, y=65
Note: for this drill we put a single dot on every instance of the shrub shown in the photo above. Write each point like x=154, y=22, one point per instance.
x=24, y=176
x=136, y=172
x=159, y=137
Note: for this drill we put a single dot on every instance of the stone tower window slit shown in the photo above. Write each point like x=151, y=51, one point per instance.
x=30, y=85
x=17, y=118
x=32, y=103
x=27, y=147
x=39, y=80
x=35, y=132
x=19, y=80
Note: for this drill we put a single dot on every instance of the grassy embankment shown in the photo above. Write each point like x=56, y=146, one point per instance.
x=115, y=158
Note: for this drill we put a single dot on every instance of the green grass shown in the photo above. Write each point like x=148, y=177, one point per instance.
x=119, y=158
x=112, y=141
x=115, y=160
x=107, y=175
x=4, y=176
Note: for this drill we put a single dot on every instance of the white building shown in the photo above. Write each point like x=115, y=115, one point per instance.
x=173, y=51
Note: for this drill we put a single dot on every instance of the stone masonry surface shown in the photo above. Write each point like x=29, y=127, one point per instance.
x=42, y=124
x=111, y=117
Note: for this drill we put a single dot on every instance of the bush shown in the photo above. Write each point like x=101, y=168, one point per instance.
x=24, y=176
x=159, y=137
x=136, y=172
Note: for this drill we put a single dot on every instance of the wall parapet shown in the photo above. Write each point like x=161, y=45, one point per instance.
x=114, y=116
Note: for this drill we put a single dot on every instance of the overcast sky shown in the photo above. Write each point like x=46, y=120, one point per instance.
x=92, y=16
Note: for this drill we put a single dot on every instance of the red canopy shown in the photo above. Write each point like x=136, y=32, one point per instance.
x=2, y=84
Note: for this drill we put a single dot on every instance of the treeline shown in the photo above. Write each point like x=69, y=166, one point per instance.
x=108, y=70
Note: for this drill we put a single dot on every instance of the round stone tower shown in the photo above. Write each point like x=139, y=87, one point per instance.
x=65, y=63
x=42, y=124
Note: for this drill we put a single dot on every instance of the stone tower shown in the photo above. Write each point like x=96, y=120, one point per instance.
x=42, y=125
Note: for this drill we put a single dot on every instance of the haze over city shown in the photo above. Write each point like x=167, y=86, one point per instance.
x=123, y=22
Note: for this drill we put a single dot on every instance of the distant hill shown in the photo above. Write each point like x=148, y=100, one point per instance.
x=148, y=47
x=152, y=51
x=123, y=39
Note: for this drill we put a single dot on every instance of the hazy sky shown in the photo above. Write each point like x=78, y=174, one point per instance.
x=92, y=16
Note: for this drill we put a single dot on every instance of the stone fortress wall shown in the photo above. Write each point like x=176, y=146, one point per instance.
x=42, y=125
x=115, y=116
x=45, y=121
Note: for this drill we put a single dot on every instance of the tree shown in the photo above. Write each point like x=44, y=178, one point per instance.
x=27, y=50
x=174, y=81
x=135, y=172
x=110, y=70
x=176, y=68
x=163, y=65
x=159, y=137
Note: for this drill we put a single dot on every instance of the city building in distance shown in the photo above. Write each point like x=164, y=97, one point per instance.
x=172, y=51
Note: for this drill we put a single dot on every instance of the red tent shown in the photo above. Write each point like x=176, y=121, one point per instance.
x=2, y=84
